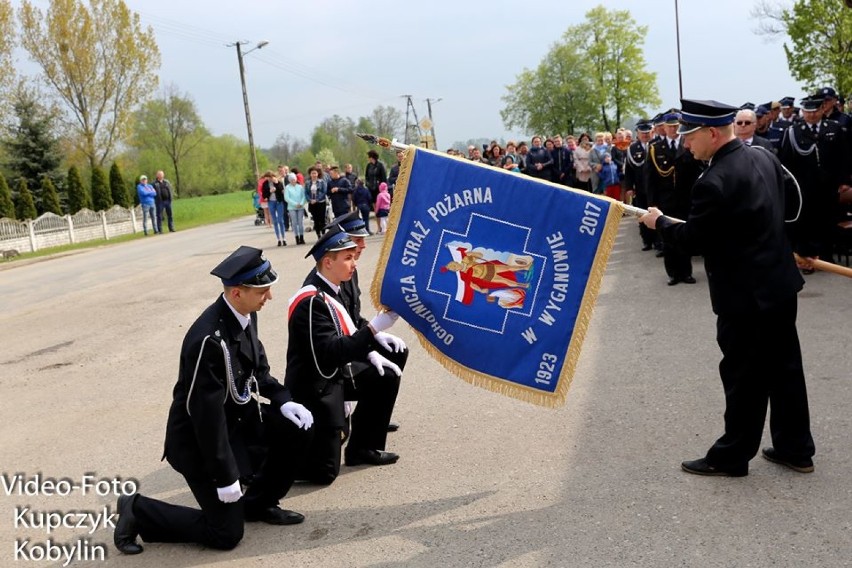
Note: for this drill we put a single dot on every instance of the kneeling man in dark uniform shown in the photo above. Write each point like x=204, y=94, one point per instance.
x=736, y=222
x=219, y=435
x=324, y=346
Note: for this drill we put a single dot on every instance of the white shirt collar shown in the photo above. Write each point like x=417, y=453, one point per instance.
x=334, y=287
x=244, y=320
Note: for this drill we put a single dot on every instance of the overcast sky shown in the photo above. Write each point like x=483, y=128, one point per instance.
x=329, y=57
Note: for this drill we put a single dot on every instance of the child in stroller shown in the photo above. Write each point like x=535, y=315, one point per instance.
x=260, y=216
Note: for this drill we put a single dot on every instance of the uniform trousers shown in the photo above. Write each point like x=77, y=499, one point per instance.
x=678, y=265
x=762, y=363
x=220, y=525
x=376, y=396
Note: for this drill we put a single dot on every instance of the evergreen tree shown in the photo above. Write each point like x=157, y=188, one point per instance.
x=118, y=188
x=24, y=206
x=32, y=148
x=101, y=198
x=78, y=197
x=7, y=206
x=49, y=197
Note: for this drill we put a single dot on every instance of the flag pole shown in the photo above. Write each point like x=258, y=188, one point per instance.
x=630, y=209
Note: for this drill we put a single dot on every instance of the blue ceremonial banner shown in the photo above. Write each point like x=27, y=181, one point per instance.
x=497, y=272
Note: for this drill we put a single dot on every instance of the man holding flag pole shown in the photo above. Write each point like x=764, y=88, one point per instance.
x=736, y=222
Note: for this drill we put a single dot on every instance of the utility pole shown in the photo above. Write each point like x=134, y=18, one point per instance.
x=677, y=35
x=240, y=55
x=409, y=106
x=432, y=122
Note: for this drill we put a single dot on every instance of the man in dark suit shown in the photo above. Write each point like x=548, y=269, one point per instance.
x=745, y=123
x=219, y=435
x=634, y=177
x=816, y=152
x=736, y=222
x=670, y=174
x=323, y=343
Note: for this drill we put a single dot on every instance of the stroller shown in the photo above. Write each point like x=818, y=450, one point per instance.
x=260, y=216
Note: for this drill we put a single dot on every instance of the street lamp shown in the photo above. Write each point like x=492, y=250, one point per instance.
x=240, y=55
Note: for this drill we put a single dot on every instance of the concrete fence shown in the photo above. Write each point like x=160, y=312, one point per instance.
x=50, y=230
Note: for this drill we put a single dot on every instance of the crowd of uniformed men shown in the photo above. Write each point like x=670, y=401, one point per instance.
x=813, y=142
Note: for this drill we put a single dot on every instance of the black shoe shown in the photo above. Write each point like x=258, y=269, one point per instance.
x=701, y=467
x=660, y=254
x=274, y=516
x=647, y=247
x=370, y=457
x=126, y=532
x=802, y=465
x=393, y=426
x=672, y=281
x=279, y=243
x=284, y=243
x=688, y=280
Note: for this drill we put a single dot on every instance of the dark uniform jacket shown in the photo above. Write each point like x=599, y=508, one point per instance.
x=209, y=437
x=820, y=163
x=737, y=223
x=322, y=395
x=634, y=177
x=763, y=143
x=350, y=297
x=669, y=177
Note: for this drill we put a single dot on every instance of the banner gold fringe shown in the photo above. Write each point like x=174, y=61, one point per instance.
x=496, y=384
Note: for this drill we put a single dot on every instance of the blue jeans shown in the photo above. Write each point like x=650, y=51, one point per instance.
x=276, y=210
x=149, y=211
x=297, y=220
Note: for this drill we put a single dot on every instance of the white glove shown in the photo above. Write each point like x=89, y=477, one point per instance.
x=231, y=493
x=297, y=414
x=390, y=342
x=383, y=321
x=380, y=363
x=348, y=407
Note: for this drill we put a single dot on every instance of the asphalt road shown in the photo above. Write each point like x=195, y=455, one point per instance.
x=89, y=345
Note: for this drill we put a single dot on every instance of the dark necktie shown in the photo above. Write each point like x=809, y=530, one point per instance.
x=814, y=129
x=247, y=332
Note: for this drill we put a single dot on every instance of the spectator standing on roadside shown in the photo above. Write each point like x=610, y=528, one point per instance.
x=294, y=195
x=315, y=192
x=148, y=200
x=383, y=204
x=283, y=172
x=361, y=199
x=339, y=191
x=539, y=161
x=273, y=191
x=394, y=172
x=374, y=174
x=164, y=195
